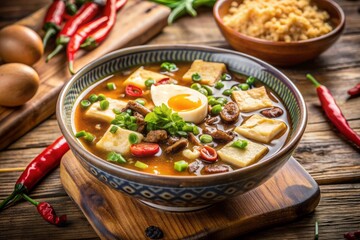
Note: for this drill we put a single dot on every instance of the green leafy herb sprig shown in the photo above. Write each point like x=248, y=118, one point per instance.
x=182, y=7
x=162, y=117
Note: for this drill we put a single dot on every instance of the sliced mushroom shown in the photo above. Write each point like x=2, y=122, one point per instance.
x=135, y=106
x=221, y=168
x=177, y=146
x=230, y=112
x=171, y=140
x=193, y=139
x=213, y=120
x=218, y=134
x=272, y=112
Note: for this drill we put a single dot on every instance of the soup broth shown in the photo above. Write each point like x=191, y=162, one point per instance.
x=207, y=118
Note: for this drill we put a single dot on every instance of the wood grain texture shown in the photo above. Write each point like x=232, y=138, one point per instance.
x=290, y=194
x=130, y=29
x=332, y=162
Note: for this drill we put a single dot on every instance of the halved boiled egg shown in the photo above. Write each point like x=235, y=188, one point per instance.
x=190, y=104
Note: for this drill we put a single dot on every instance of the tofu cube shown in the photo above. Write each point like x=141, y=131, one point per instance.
x=210, y=72
x=107, y=115
x=242, y=157
x=252, y=100
x=261, y=129
x=118, y=141
x=139, y=77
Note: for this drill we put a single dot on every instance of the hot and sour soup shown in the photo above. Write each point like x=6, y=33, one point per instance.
x=181, y=119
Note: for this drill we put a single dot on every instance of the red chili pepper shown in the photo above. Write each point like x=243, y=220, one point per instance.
x=355, y=91
x=133, y=91
x=352, y=235
x=208, y=153
x=53, y=19
x=46, y=161
x=47, y=212
x=163, y=81
x=333, y=112
x=99, y=34
x=83, y=32
x=76, y=40
x=87, y=12
x=144, y=149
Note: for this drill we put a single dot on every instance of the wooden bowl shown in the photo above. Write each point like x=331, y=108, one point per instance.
x=282, y=53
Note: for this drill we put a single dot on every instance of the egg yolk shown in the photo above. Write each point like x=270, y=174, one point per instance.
x=184, y=102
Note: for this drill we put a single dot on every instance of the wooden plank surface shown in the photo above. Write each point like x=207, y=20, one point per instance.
x=332, y=162
x=289, y=195
x=130, y=29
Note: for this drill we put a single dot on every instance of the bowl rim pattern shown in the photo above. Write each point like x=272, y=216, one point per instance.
x=181, y=181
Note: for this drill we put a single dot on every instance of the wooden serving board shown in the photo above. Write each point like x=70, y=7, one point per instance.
x=136, y=23
x=288, y=195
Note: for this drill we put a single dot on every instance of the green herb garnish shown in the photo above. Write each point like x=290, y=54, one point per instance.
x=133, y=138
x=242, y=144
x=115, y=157
x=125, y=120
x=162, y=117
x=181, y=165
x=196, y=77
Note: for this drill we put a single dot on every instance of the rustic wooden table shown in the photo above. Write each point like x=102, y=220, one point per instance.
x=332, y=162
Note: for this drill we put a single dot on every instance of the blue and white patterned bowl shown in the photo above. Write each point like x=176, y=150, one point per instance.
x=176, y=193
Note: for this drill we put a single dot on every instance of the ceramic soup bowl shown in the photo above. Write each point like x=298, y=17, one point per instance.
x=176, y=193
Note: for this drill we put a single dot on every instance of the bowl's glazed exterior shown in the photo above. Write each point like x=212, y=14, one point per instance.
x=176, y=193
x=282, y=53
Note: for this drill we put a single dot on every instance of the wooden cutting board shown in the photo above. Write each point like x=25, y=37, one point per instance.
x=288, y=195
x=136, y=23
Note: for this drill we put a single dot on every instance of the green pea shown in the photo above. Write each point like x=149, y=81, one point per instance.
x=104, y=104
x=149, y=82
x=226, y=77
x=240, y=144
x=196, y=77
x=219, y=85
x=221, y=100
x=101, y=97
x=234, y=88
x=195, y=86
x=187, y=128
x=205, y=138
x=208, y=89
x=212, y=101
x=111, y=86
x=85, y=104
x=196, y=130
x=216, y=109
x=244, y=86
x=250, y=80
x=140, y=101
x=227, y=92
x=171, y=67
x=93, y=98
x=203, y=91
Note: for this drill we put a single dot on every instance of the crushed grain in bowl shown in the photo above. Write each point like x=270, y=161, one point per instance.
x=278, y=20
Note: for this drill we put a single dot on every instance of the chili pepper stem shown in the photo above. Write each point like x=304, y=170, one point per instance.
x=88, y=43
x=313, y=80
x=58, y=49
x=49, y=33
x=8, y=199
x=71, y=67
x=29, y=199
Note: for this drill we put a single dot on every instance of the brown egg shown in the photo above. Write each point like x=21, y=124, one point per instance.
x=20, y=44
x=18, y=84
